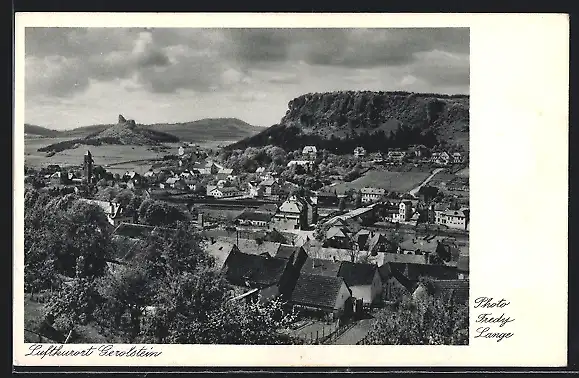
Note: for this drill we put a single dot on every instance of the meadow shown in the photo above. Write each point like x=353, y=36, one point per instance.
x=391, y=181
x=102, y=155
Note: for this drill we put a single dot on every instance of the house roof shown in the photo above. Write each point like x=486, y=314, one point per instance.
x=252, y=247
x=403, y=280
x=377, y=239
x=317, y=291
x=291, y=206
x=368, y=190
x=321, y=267
x=357, y=274
x=309, y=149
x=286, y=251
x=227, y=189
x=459, y=288
x=401, y=258
x=220, y=250
x=256, y=270
x=172, y=180
x=337, y=232
x=255, y=216
x=110, y=208
x=267, y=208
x=327, y=194
x=415, y=271
x=225, y=171
x=426, y=245
x=268, y=182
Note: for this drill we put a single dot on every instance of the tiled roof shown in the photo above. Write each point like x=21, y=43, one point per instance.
x=356, y=274
x=321, y=267
x=256, y=270
x=378, y=191
x=459, y=288
x=220, y=250
x=286, y=251
x=426, y=245
x=402, y=258
x=336, y=232
x=255, y=216
x=251, y=246
x=415, y=271
x=110, y=208
x=316, y=291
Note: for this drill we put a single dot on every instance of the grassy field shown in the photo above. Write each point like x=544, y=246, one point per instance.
x=102, y=155
x=391, y=181
x=463, y=173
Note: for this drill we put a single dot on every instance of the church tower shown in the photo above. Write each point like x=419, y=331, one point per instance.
x=87, y=166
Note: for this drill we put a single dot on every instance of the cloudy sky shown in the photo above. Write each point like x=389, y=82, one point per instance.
x=82, y=76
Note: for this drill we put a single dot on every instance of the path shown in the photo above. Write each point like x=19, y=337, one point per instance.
x=355, y=334
x=415, y=190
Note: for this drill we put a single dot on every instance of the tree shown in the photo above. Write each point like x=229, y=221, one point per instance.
x=439, y=320
x=160, y=213
x=342, y=204
x=358, y=201
x=428, y=192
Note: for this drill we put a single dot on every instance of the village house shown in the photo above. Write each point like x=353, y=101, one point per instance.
x=364, y=281
x=457, y=158
x=220, y=250
x=440, y=158
x=372, y=194
x=225, y=192
x=292, y=214
x=112, y=210
x=306, y=164
x=359, y=152
x=378, y=242
x=457, y=219
x=269, y=275
x=310, y=152
x=255, y=190
x=271, y=187
x=296, y=255
x=405, y=211
x=338, y=237
x=325, y=198
x=253, y=218
x=396, y=156
x=328, y=294
x=457, y=184
x=418, y=151
x=224, y=173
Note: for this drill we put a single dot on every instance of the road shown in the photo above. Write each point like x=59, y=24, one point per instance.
x=355, y=334
x=415, y=190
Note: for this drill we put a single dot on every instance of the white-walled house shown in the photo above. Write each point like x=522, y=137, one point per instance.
x=363, y=280
x=328, y=294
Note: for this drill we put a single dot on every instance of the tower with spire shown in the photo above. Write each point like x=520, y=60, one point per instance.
x=87, y=166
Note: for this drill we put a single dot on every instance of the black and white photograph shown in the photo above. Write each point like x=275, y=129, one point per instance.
x=301, y=186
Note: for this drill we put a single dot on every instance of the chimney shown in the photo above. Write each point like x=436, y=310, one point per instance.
x=212, y=240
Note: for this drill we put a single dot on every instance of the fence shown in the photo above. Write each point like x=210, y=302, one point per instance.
x=326, y=335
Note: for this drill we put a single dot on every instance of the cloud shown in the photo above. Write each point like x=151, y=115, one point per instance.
x=63, y=62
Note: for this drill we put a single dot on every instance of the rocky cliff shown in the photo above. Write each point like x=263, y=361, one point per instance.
x=125, y=132
x=340, y=121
